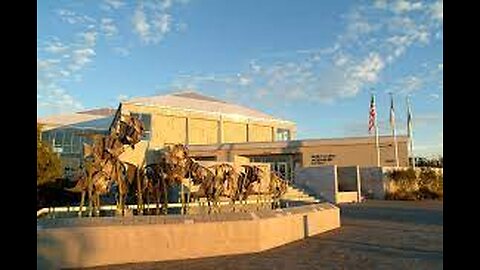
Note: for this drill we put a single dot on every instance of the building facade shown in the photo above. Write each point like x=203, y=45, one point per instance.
x=193, y=119
x=219, y=131
x=287, y=156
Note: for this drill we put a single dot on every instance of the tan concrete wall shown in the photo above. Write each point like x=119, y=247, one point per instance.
x=258, y=133
x=234, y=132
x=320, y=221
x=278, y=231
x=373, y=182
x=240, y=160
x=203, y=131
x=180, y=238
x=347, y=197
x=169, y=126
x=322, y=181
x=167, y=130
x=362, y=155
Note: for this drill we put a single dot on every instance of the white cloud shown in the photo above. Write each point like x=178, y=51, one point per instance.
x=122, y=97
x=340, y=60
x=437, y=10
x=254, y=66
x=73, y=18
x=369, y=69
x=353, y=63
x=90, y=38
x=434, y=96
x=380, y=4
x=165, y=4
x=80, y=58
x=151, y=21
x=55, y=99
x=108, y=27
x=46, y=64
x=357, y=27
x=411, y=83
x=56, y=47
x=140, y=24
x=243, y=80
x=162, y=23
x=115, y=4
x=401, y=6
x=64, y=73
x=406, y=33
x=315, y=57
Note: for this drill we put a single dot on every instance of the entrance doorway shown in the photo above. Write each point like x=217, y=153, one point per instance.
x=281, y=168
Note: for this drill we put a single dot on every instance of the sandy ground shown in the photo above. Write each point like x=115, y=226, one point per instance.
x=374, y=235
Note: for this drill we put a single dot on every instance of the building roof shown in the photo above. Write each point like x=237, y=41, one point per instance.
x=101, y=112
x=197, y=102
x=99, y=119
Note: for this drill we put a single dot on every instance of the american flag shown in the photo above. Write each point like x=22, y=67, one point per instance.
x=372, y=115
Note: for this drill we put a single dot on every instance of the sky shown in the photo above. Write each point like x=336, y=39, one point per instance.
x=312, y=62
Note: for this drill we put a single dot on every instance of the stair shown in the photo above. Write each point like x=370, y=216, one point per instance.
x=297, y=194
x=292, y=194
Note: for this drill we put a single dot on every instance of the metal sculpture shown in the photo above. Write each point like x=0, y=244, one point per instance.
x=102, y=164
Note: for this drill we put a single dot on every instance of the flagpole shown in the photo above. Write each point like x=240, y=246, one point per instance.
x=373, y=106
x=394, y=133
x=376, y=143
x=410, y=131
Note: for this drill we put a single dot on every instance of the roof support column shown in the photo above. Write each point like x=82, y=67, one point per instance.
x=187, y=131
x=220, y=130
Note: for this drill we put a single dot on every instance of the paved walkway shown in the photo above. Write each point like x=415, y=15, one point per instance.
x=374, y=235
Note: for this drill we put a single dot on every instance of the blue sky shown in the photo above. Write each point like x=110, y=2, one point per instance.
x=312, y=62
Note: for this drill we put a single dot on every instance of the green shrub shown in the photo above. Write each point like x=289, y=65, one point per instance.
x=49, y=165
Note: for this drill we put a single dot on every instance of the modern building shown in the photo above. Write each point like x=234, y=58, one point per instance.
x=286, y=156
x=193, y=119
x=64, y=132
x=219, y=130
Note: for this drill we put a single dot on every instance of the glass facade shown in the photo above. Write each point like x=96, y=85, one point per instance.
x=283, y=134
x=283, y=164
x=68, y=141
x=146, y=118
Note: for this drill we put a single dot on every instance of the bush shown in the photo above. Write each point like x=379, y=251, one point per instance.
x=49, y=165
x=406, y=185
x=430, y=184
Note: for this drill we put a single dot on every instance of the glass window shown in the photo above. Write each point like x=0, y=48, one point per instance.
x=283, y=134
x=146, y=118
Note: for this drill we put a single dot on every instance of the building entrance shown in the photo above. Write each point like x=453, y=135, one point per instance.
x=283, y=164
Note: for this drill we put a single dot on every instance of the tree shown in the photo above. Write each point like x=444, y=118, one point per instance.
x=49, y=165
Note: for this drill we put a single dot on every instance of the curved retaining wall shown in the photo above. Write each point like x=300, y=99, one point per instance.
x=86, y=242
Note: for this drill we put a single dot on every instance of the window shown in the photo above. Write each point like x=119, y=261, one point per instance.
x=283, y=134
x=146, y=120
x=67, y=142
